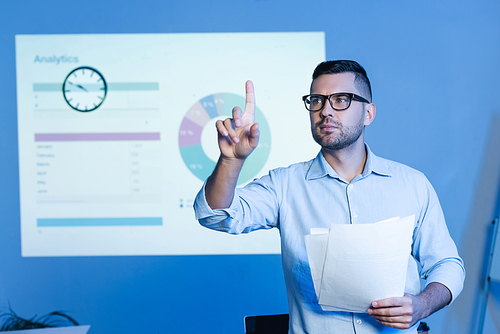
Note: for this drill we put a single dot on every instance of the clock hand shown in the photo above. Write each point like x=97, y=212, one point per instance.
x=79, y=86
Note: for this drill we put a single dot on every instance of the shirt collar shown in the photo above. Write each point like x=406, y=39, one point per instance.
x=320, y=167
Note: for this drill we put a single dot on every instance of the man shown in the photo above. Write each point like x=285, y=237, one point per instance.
x=345, y=184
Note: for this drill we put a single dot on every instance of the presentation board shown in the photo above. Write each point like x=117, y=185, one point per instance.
x=117, y=135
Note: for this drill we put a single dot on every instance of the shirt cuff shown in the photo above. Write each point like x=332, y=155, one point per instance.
x=203, y=211
x=451, y=274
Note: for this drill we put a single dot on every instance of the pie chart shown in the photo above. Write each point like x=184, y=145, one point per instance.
x=200, y=115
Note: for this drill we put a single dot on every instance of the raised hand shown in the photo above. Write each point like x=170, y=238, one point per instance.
x=239, y=136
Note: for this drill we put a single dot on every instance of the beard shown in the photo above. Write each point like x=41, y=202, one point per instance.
x=347, y=135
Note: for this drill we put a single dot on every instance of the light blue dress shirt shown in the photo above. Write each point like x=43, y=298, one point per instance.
x=311, y=194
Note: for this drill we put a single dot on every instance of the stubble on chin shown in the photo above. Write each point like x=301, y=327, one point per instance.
x=345, y=137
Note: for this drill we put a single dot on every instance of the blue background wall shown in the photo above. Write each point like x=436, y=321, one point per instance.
x=435, y=73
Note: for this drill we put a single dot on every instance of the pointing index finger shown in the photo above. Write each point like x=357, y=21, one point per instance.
x=250, y=101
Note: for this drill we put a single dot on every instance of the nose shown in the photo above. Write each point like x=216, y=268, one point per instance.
x=327, y=110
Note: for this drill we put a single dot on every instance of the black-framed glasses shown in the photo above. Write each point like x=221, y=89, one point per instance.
x=338, y=101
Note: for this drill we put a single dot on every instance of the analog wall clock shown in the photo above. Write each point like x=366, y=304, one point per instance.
x=84, y=89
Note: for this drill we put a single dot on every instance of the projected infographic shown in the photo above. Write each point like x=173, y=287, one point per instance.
x=117, y=135
x=199, y=116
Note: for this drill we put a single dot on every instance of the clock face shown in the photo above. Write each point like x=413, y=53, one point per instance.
x=84, y=89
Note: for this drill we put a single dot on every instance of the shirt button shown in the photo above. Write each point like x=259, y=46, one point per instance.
x=354, y=215
x=359, y=321
x=351, y=186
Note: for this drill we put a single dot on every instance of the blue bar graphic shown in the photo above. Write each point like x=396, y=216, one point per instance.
x=114, y=86
x=139, y=221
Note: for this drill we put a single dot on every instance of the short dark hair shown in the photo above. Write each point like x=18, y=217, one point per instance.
x=341, y=66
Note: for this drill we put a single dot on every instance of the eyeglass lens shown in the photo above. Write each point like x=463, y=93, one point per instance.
x=337, y=101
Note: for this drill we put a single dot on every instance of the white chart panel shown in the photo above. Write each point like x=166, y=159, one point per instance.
x=117, y=135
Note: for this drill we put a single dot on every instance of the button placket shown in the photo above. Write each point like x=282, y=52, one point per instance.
x=352, y=215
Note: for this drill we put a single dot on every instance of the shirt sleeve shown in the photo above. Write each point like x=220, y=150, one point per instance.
x=253, y=207
x=434, y=248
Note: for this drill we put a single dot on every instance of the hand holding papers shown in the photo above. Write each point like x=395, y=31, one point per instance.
x=354, y=264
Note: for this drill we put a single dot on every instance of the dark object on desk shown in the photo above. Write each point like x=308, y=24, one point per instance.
x=267, y=324
x=278, y=324
x=423, y=328
x=13, y=322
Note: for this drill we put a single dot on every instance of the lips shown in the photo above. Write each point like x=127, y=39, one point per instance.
x=326, y=126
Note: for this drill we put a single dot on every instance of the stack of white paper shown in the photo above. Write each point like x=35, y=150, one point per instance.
x=353, y=265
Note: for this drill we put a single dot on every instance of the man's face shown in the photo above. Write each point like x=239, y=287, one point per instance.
x=336, y=130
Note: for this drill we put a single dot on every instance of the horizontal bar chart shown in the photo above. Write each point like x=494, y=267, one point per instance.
x=114, y=136
x=73, y=222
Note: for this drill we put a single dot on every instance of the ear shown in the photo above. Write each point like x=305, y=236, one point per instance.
x=370, y=114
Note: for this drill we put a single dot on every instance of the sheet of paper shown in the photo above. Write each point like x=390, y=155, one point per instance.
x=353, y=265
x=316, y=244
